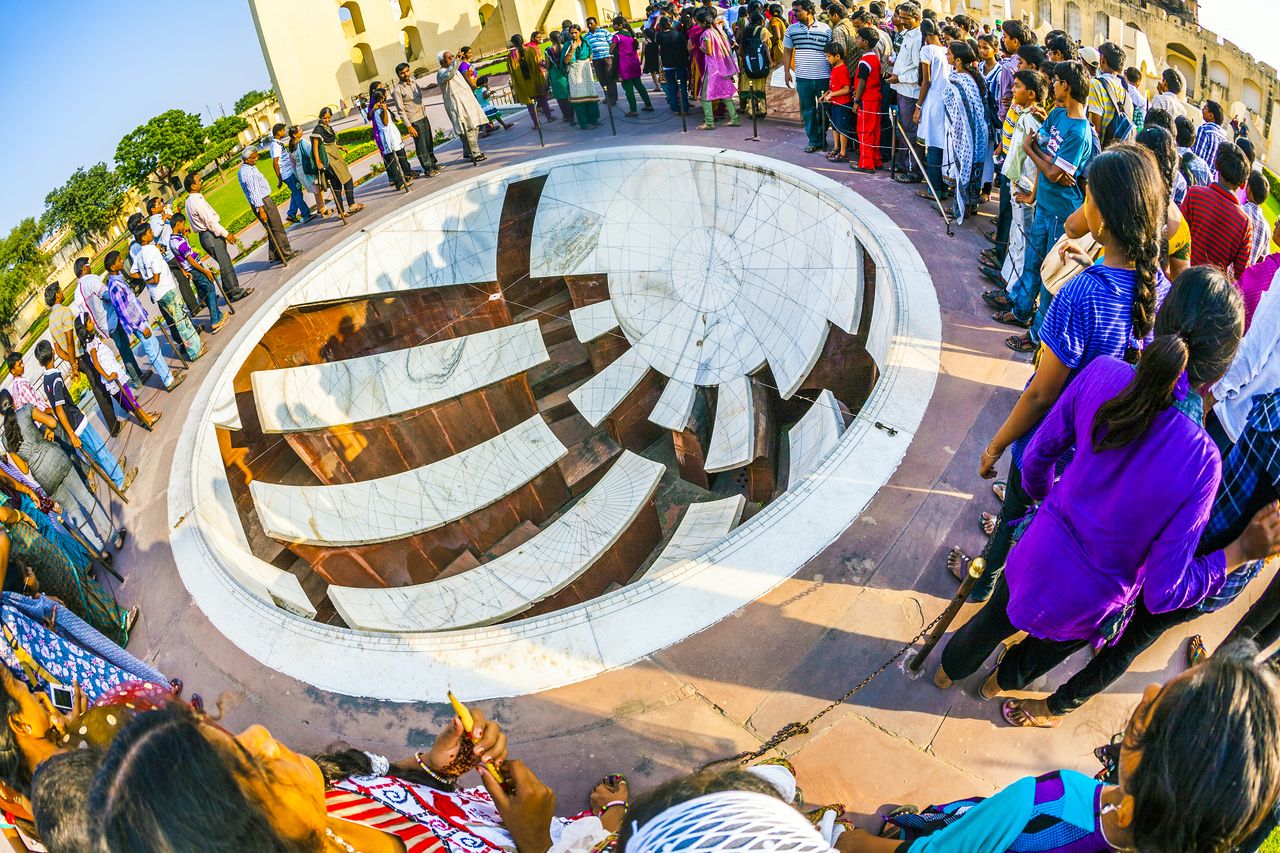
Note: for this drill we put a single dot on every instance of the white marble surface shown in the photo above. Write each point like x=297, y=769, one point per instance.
x=602, y=393
x=410, y=502
x=576, y=643
x=703, y=526
x=592, y=321
x=517, y=580
x=675, y=406
x=317, y=396
x=814, y=436
x=733, y=435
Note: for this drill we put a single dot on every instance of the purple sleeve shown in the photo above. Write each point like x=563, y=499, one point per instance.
x=1174, y=577
x=1055, y=435
x=1005, y=88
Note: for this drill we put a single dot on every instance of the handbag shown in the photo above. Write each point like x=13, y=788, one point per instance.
x=1055, y=271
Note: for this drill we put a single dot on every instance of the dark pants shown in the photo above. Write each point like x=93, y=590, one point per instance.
x=100, y=394
x=933, y=170
x=1004, y=218
x=277, y=240
x=675, y=84
x=566, y=109
x=1015, y=506
x=608, y=80
x=814, y=124
x=121, y=339
x=424, y=144
x=989, y=627
x=398, y=168
x=907, y=119
x=886, y=126
x=339, y=189
x=216, y=247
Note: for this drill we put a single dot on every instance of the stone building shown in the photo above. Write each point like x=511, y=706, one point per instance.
x=329, y=54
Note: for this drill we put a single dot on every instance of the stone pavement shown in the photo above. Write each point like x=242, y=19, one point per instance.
x=777, y=660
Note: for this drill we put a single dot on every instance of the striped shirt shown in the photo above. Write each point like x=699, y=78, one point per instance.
x=362, y=809
x=1208, y=137
x=1221, y=233
x=600, y=42
x=1261, y=233
x=808, y=43
x=1006, y=132
x=254, y=185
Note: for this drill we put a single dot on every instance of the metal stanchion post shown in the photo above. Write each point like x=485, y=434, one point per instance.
x=93, y=552
x=538, y=126
x=111, y=484
x=946, y=218
x=164, y=330
x=266, y=226
x=684, y=116
x=324, y=187
x=893, y=143
x=755, y=128
x=612, y=126
x=913, y=664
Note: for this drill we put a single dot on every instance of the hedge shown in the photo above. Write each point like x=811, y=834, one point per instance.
x=1274, y=180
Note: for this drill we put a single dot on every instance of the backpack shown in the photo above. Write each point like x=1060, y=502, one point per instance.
x=1121, y=127
x=755, y=58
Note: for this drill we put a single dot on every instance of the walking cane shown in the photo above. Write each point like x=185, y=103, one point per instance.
x=96, y=555
x=266, y=226
x=324, y=187
x=111, y=484
x=913, y=663
x=164, y=330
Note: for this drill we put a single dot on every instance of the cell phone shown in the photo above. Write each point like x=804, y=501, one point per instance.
x=62, y=698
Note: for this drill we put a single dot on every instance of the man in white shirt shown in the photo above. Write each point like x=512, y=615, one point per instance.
x=213, y=237
x=905, y=80
x=153, y=269
x=91, y=298
x=282, y=162
x=1169, y=95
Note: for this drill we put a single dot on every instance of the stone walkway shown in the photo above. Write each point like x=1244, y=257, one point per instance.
x=781, y=658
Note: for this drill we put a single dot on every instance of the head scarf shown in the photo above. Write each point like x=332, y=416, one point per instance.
x=729, y=820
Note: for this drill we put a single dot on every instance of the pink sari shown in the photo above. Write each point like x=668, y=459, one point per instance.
x=720, y=67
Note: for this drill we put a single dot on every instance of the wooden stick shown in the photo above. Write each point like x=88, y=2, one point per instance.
x=976, y=567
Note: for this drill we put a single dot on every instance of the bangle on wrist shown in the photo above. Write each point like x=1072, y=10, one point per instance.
x=987, y=452
x=449, y=784
x=611, y=804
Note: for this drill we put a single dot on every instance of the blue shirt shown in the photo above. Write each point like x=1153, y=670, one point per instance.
x=1209, y=136
x=1091, y=316
x=1068, y=143
x=600, y=43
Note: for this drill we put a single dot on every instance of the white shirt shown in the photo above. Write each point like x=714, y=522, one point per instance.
x=907, y=64
x=150, y=262
x=202, y=216
x=280, y=153
x=89, y=292
x=390, y=134
x=1256, y=369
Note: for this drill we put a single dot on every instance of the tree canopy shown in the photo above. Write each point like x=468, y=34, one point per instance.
x=227, y=127
x=248, y=99
x=22, y=266
x=152, y=151
x=87, y=203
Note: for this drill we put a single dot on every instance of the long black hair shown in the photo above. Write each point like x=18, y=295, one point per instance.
x=1197, y=330
x=1126, y=187
x=14, y=771
x=964, y=52
x=164, y=786
x=60, y=800
x=12, y=432
x=518, y=44
x=1209, y=771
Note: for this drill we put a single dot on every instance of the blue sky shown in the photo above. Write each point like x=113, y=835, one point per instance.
x=92, y=70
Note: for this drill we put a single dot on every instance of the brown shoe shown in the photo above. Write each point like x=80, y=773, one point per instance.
x=129, y=478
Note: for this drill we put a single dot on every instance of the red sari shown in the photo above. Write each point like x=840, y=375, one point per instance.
x=869, y=114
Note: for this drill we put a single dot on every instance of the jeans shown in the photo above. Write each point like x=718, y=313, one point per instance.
x=977, y=639
x=608, y=80
x=297, y=203
x=907, y=119
x=814, y=126
x=209, y=294
x=93, y=445
x=675, y=84
x=121, y=339
x=216, y=247
x=424, y=145
x=1015, y=506
x=150, y=347
x=631, y=88
x=1044, y=232
x=398, y=168
x=933, y=170
x=1004, y=218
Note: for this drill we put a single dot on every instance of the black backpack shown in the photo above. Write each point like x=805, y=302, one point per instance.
x=755, y=58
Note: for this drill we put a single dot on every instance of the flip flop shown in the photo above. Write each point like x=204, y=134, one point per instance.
x=1011, y=707
x=998, y=489
x=958, y=563
x=1021, y=343
x=1196, y=652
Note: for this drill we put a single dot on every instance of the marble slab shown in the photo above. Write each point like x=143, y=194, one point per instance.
x=703, y=526
x=410, y=502
x=592, y=321
x=318, y=396
x=602, y=393
x=733, y=431
x=514, y=582
x=675, y=406
x=813, y=437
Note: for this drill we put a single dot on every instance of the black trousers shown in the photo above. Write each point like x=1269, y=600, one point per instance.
x=105, y=403
x=216, y=247
x=1262, y=623
x=608, y=79
x=988, y=628
x=277, y=238
x=1004, y=219
x=340, y=188
x=398, y=168
x=424, y=145
x=907, y=118
x=1015, y=506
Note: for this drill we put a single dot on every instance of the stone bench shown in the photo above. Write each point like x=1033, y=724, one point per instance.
x=703, y=526
x=515, y=581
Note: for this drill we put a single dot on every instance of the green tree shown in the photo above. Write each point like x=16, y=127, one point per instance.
x=227, y=127
x=22, y=266
x=152, y=152
x=249, y=99
x=87, y=203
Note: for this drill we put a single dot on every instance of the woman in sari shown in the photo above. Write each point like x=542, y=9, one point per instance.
x=528, y=81
x=695, y=26
x=326, y=157
x=556, y=77
x=582, y=80
x=26, y=438
x=720, y=70
x=966, y=129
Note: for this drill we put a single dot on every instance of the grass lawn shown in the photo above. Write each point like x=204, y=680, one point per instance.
x=1271, y=210
x=227, y=199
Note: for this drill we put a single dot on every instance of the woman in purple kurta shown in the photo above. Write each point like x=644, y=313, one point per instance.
x=1127, y=515
x=720, y=75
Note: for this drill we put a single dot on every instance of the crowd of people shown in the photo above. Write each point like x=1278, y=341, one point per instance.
x=1140, y=491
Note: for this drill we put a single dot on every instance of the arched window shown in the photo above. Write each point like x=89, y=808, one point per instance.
x=352, y=20
x=486, y=12
x=1220, y=75
x=1074, y=26
x=1181, y=58
x=401, y=8
x=1252, y=97
x=1101, y=27
x=1131, y=31
x=1045, y=13
x=362, y=61
x=411, y=41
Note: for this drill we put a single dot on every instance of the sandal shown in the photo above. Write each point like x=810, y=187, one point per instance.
x=1010, y=319
x=1016, y=715
x=958, y=563
x=998, y=299
x=1196, y=652
x=1021, y=343
x=998, y=489
x=988, y=522
x=925, y=194
x=892, y=830
x=705, y=126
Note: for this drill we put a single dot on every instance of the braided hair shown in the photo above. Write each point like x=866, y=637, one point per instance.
x=968, y=59
x=12, y=432
x=1127, y=189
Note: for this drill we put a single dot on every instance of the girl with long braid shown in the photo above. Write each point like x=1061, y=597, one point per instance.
x=1106, y=309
